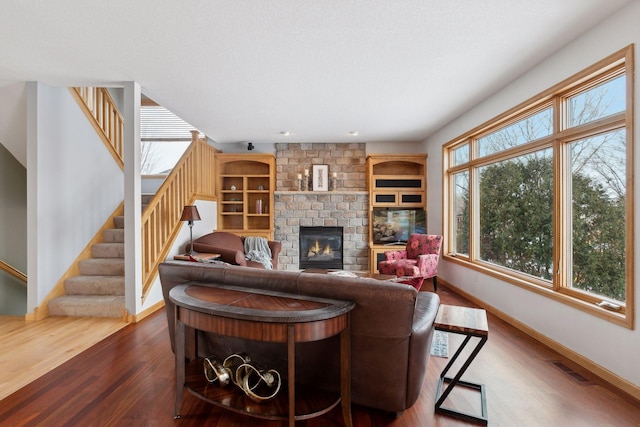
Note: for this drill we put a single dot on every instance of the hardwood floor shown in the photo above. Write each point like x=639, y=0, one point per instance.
x=34, y=348
x=127, y=380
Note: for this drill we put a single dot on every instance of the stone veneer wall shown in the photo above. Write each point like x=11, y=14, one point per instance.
x=346, y=206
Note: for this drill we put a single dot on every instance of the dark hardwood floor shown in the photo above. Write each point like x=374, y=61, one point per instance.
x=128, y=380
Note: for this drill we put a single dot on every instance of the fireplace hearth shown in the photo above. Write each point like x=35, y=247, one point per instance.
x=321, y=247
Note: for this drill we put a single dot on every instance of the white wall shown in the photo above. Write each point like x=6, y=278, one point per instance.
x=613, y=347
x=394, y=148
x=13, y=126
x=73, y=186
x=13, y=232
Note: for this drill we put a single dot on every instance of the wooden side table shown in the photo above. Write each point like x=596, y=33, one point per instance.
x=470, y=322
x=261, y=315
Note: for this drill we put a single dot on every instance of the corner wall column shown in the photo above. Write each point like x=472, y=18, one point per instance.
x=132, y=199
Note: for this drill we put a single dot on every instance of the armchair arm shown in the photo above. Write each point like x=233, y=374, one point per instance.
x=393, y=255
x=428, y=264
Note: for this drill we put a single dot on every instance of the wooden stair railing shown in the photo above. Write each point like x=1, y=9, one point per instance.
x=103, y=114
x=192, y=178
x=13, y=271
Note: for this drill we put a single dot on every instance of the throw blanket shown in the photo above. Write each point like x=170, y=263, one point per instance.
x=257, y=249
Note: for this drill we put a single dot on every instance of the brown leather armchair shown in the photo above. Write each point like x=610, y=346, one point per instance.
x=231, y=248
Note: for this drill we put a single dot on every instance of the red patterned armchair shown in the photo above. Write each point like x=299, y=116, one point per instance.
x=420, y=258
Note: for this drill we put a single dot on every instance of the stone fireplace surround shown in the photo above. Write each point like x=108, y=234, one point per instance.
x=347, y=206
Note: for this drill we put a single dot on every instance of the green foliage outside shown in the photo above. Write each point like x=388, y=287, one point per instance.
x=516, y=225
x=598, y=240
x=516, y=215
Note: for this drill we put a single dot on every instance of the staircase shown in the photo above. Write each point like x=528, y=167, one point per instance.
x=145, y=199
x=99, y=289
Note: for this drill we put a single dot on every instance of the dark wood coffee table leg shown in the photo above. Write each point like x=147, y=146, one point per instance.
x=345, y=373
x=291, y=362
x=180, y=376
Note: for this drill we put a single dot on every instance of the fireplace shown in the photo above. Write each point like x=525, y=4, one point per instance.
x=321, y=247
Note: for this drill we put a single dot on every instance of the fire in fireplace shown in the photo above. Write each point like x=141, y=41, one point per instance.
x=321, y=247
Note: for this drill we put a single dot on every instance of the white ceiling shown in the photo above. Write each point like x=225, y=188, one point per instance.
x=242, y=70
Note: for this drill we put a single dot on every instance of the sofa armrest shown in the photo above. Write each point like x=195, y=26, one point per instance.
x=424, y=316
x=275, y=247
x=231, y=256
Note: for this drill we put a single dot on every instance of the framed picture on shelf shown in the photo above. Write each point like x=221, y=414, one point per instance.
x=320, y=177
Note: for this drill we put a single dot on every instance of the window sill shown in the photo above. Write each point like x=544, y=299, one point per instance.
x=622, y=318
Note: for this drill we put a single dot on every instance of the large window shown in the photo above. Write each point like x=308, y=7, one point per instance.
x=541, y=196
x=164, y=137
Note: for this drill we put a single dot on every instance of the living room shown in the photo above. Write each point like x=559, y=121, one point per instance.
x=605, y=347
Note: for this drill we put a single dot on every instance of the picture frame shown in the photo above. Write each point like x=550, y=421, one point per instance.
x=320, y=177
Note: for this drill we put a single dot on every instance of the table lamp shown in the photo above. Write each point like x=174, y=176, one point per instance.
x=190, y=213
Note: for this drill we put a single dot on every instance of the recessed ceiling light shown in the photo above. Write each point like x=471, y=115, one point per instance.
x=354, y=133
x=285, y=133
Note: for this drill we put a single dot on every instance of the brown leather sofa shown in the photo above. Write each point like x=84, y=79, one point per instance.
x=391, y=330
x=231, y=248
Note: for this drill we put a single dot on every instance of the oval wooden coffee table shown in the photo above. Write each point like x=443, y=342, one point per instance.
x=261, y=315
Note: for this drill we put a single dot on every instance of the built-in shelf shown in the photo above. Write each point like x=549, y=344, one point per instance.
x=245, y=194
x=394, y=182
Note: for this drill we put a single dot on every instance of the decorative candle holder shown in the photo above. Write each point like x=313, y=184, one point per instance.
x=306, y=184
x=300, y=183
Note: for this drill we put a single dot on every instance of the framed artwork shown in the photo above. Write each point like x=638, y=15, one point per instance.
x=320, y=177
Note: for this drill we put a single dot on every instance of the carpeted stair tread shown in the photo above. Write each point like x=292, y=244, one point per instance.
x=102, y=267
x=145, y=199
x=87, y=306
x=94, y=285
x=113, y=235
x=99, y=289
x=118, y=222
x=108, y=250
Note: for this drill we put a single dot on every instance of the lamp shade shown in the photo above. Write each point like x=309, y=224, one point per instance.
x=190, y=213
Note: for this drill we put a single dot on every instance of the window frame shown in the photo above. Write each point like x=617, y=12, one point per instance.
x=159, y=125
x=559, y=289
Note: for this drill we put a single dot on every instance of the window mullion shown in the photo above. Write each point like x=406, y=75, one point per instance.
x=474, y=214
x=562, y=216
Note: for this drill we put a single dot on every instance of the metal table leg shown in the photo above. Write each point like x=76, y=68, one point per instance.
x=452, y=382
